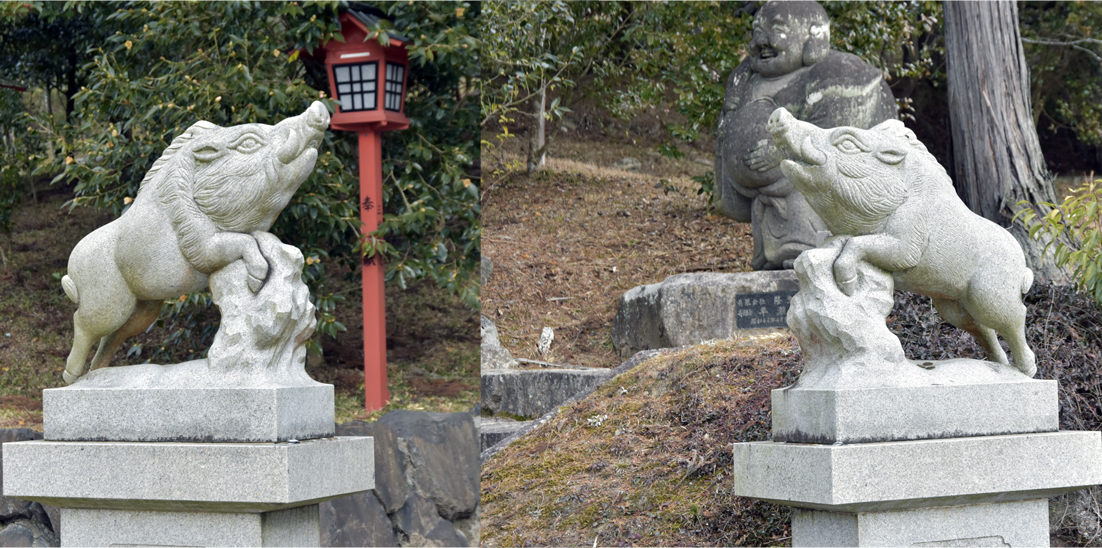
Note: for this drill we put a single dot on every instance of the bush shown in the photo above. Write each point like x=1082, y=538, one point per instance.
x=1073, y=232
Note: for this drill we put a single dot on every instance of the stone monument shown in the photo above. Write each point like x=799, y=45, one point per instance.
x=233, y=450
x=873, y=449
x=790, y=64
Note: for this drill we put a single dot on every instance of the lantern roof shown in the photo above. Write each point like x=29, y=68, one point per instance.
x=366, y=17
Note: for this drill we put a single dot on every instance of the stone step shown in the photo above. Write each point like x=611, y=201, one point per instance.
x=493, y=430
x=534, y=392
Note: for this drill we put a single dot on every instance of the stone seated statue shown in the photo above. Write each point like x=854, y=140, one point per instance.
x=790, y=65
x=201, y=216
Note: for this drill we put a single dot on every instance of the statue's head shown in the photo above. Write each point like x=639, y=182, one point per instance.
x=787, y=36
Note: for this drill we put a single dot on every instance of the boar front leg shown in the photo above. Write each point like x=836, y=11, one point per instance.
x=880, y=250
x=226, y=247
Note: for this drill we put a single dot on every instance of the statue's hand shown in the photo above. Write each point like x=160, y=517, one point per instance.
x=764, y=156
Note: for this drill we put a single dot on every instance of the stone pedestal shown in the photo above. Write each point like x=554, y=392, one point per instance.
x=159, y=480
x=913, y=482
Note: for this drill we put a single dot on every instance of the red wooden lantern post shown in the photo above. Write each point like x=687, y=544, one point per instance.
x=368, y=79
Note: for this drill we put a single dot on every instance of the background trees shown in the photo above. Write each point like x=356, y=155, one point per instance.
x=147, y=71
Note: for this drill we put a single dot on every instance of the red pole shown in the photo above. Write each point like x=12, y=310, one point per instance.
x=376, y=394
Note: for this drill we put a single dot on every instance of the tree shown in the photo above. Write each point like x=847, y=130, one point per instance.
x=997, y=159
x=534, y=50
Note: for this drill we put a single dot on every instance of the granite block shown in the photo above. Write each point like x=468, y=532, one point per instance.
x=196, y=477
x=250, y=414
x=292, y=527
x=1021, y=523
x=922, y=473
x=862, y=415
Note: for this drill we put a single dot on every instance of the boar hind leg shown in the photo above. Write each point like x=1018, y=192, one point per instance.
x=145, y=313
x=995, y=301
x=954, y=313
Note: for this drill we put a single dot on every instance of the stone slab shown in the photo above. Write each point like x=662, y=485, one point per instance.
x=492, y=431
x=194, y=477
x=894, y=413
x=292, y=527
x=1021, y=523
x=913, y=474
x=533, y=392
x=251, y=414
x=687, y=309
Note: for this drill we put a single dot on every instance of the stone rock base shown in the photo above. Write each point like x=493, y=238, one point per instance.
x=687, y=309
x=88, y=412
x=959, y=398
x=292, y=527
x=1023, y=523
x=533, y=392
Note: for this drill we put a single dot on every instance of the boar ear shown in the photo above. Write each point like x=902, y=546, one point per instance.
x=891, y=155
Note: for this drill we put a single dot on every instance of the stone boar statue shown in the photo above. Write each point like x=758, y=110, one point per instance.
x=888, y=202
x=197, y=211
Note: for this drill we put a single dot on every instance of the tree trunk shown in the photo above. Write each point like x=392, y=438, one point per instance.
x=537, y=136
x=997, y=159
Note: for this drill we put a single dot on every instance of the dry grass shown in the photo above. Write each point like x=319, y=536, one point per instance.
x=646, y=459
x=567, y=242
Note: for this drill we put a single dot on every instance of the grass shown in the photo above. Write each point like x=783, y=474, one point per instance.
x=645, y=460
x=432, y=338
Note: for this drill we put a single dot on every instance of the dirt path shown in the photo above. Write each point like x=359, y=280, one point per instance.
x=567, y=242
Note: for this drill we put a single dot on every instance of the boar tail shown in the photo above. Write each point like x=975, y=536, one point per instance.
x=1027, y=281
x=70, y=288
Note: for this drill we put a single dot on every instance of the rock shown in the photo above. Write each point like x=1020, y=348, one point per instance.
x=441, y=458
x=686, y=309
x=27, y=532
x=487, y=269
x=845, y=339
x=531, y=393
x=421, y=525
x=493, y=430
x=356, y=520
x=471, y=528
x=390, y=481
x=628, y=164
x=494, y=356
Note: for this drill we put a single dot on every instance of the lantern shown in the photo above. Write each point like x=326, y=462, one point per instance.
x=368, y=79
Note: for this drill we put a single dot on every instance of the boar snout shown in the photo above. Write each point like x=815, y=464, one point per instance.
x=795, y=138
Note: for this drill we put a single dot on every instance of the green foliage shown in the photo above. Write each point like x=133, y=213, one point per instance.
x=1073, y=231
x=531, y=47
x=1065, y=61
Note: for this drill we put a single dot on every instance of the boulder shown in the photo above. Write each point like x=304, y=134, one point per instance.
x=419, y=523
x=355, y=520
x=27, y=532
x=390, y=481
x=440, y=452
x=687, y=309
x=533, y=392
x=494, y=356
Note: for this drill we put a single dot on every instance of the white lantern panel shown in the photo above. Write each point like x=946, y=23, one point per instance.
x=357, y=85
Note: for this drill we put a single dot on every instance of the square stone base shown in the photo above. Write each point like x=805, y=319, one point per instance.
x=188, y=477
x=869, y=477
x=862, y=415
x=292, y=527
x=253, y=414
x=1023, y=523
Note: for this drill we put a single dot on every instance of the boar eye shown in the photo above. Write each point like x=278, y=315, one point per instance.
x=248, y=144
x=849, y=145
